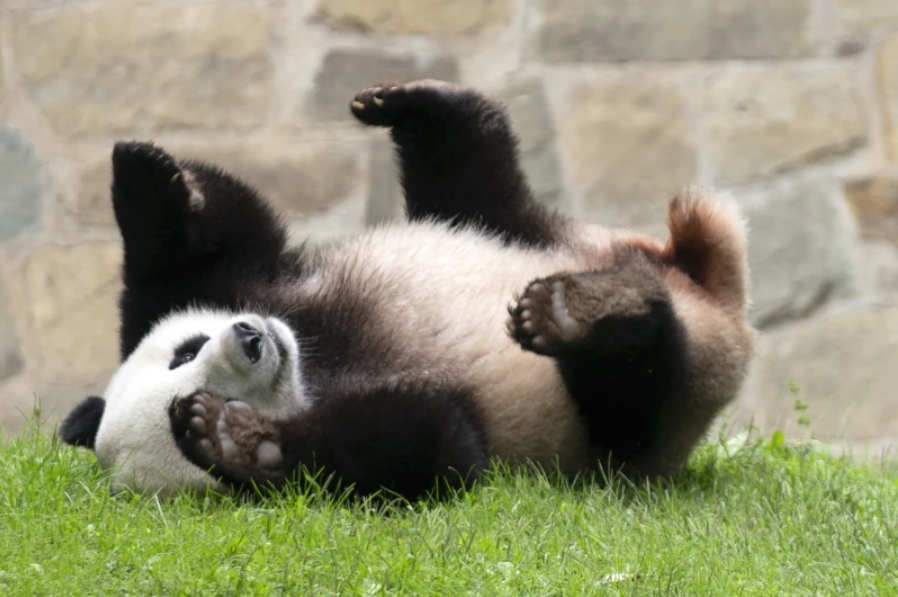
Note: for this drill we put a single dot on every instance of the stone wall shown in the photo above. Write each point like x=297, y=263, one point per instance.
x=790, y=104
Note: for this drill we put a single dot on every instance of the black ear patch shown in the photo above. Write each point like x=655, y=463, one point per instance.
x=80, y=427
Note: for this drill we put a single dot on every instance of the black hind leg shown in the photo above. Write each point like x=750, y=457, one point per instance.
x=620, y=348
x=192, y=235
x=459, y=159
x=407, y=440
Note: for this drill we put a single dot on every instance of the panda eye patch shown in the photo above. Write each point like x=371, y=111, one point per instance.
x=187, y=350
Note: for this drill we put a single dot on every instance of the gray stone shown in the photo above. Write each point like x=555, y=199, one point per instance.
x=532, y=121
x=11, y=360
x=405, y=17
x=630, y=146
x=846, y=368
x=20, y=191
x=802, y=248
x=144, y=67
x=662, y=30
x=767, y=120
x=385, y=198
x=880, y=260
x=344, y=72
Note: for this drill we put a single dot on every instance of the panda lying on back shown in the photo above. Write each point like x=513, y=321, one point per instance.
x=485, y=326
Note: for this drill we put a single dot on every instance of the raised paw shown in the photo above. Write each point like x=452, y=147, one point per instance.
x=541, y=322
x=607, y=311
x=228, y=438
x=147, y=180
x=387, y=104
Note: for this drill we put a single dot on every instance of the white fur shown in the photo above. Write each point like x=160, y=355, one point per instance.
x=135, y=440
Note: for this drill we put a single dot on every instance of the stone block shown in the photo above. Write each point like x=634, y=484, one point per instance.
x=855, y=21
x=630, y=148
x=386, y=201
x=844, y=365
x=94, y=204
x=147, y=66
x=344, y=72
x=661, y=30
x=298, y=177
x=73, y=293
x=11, y=360
x=405, y=17
x=532, y=121
x=768, y=120
x=21, y=189
x=874, y=202
x=888, y=72
x=802, y=248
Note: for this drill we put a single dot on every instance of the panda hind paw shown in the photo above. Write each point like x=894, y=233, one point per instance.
x=229, y=438
x=540, y=320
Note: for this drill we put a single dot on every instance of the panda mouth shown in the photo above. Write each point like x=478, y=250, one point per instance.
x=283, y=355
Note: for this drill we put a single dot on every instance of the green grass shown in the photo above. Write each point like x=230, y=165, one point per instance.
x=764, y=519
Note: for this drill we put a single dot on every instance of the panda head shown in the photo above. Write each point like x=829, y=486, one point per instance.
x=245, y=356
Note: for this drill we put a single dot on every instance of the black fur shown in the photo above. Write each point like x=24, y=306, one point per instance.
x=220, y=255
x=80, y=426
x=622, y=351
x=408, y=440
x=459, y=163
x=459, y=160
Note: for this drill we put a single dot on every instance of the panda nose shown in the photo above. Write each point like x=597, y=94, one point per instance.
x=250, y=340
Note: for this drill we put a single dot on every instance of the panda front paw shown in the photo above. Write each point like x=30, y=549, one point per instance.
x=143, y=165
x=229, y=439
x=388, y=104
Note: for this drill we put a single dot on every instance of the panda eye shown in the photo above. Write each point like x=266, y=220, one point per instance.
x=181, y=360
x=188, y=350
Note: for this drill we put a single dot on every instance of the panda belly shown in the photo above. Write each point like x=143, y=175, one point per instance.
x=442, y=297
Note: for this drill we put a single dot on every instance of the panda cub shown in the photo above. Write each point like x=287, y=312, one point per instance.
x=485, y=326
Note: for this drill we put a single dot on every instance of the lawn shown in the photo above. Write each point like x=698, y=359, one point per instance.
x=749, y=518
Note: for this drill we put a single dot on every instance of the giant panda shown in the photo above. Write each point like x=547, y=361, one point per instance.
x=484, y=327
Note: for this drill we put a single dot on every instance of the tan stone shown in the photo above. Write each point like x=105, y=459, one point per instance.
x=874, y=202
x=301, y=177
x=146, y=66
x=95, y=196
x=616, y=31
x=73, y=293
x=21, y=396
x=854, y=21
x=888, y=69
x=767, y=120
x=434, y=17
x=631, y=149
x=846, y=367
x=344, y=72
x=296, y=177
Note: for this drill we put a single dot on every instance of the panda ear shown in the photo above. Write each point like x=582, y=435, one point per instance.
x=80, y=427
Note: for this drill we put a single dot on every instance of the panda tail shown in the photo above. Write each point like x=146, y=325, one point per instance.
x=708, y=243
